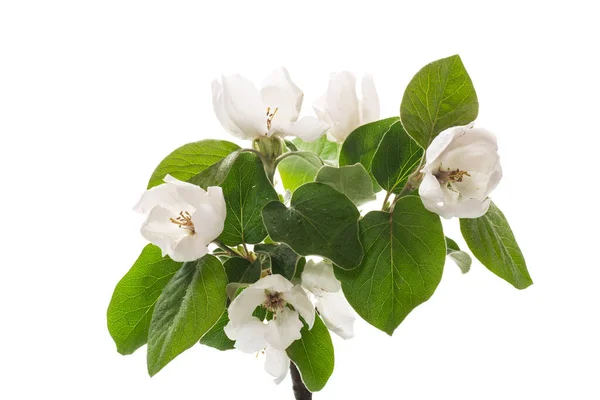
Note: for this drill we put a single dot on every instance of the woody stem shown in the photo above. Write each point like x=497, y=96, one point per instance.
x=300, y=390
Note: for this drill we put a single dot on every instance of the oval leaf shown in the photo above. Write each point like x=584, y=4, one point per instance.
x=241, y=270
x=396, y=159
x=460, y=258
x=361, y=144
x=283, y=259
x=216, y=337
x=320, y=221
x=441, y=95
x=296, y=171
x=313, y=355
x=322, y=147
x=130, y=309
x=352, y=180
x=191, y=303
x=403, y=263
x=189, y=159
x=491, y=240
x=216, y=173
x=246, y=190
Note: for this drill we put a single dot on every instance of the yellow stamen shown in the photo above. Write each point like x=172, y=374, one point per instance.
x=457, y=175
x=270, y=116
x=184, y=221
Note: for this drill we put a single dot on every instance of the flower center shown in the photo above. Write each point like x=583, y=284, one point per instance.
x=184, y=221
x=455, y=175
x=274, y=301
x=270, y=116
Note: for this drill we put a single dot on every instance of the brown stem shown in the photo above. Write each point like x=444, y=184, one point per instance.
x=300, y=391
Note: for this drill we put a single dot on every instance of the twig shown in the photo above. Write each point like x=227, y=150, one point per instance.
x=226, y=248
x=300, y=390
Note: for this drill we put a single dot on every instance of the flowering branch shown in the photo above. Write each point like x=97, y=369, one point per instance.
x=270, y=297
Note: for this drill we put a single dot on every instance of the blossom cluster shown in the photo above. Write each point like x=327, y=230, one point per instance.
x=460, y=169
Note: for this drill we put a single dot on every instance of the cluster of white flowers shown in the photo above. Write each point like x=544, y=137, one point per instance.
x=461, y=169
x=276, y=294
x=274, y=110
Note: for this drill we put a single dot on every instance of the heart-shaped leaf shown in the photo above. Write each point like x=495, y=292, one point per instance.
x=352, y=180
x=320, y=221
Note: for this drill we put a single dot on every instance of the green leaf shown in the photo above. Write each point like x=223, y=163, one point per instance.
x=361, y=144
x=246, y=190
x=191, y=303
x=404, y=259
x=313, y=355
x=242, y=271
x=322, y=147
x=283, y=259
x=188, y=160
x=352, y=180
x=441, y=95
x=460, y=258
x=298, y=170
x=130, y=309
x=216, y=336
x=320, y=221
x=216, y=173
x=396, y=159
x=492, y=242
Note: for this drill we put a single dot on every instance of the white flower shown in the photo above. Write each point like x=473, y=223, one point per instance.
x=182, y=219
x=248, y=113
x=274, y=293
x=341, y=107
x=338, y=316
x=462, y=169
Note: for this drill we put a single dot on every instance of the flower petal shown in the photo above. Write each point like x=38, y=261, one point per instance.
x=308, y=129
x=284, y=329
x=341, y=105
x=319, y=108
x=244, y=106
x=207, y=223
x=158, y=195
x=438, y=146
x=319, y=277
x=369, y=103
x=160, y=231
x=216, y=199
x=297, y=297
x=189, y=248
x=274, y=282
x=277, y=363
x=222, y=116
x=471, y=208
x=242, y=307
x=249, y=337
x=279, y=92
x=337, y=314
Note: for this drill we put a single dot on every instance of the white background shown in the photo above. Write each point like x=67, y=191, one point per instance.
x=93, y=94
